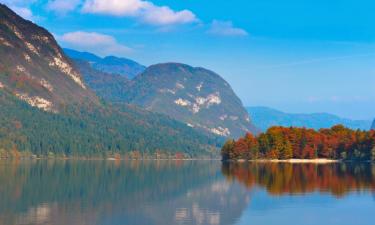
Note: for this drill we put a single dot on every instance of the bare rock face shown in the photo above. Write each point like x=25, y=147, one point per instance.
x=34, y=68
x=196, y=96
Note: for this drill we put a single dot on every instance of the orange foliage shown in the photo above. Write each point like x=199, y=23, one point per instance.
x=337, y=142
x=286, y=178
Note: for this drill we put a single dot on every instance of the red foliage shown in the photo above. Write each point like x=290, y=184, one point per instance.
x=337, y=142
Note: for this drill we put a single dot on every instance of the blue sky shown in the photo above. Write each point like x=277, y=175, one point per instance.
x=294, y=55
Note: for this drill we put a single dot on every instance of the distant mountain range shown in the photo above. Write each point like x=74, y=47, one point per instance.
x=48, y=108
x=373, y=125
x=195, y=96
x=110, y=64
x=265, y=118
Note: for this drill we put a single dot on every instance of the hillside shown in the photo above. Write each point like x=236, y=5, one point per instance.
x=193, y=95
x=34, y=68
x=48, y=109
x=109, y=64
x=95, y=131
x=265, y=118
x=112, y=87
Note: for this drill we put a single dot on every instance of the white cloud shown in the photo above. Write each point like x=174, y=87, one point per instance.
x=101, y=44
x=62, y=6
x=23, y=12
x=114, y=7
x=21, y=7
x=225, y=28
x=17, y=2
x=144, y=11
x=166, y=16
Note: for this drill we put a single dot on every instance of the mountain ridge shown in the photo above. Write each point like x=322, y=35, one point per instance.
x=265, y=117
x=197, y=96
x=34, y=67
x=108, y=64
x=193, y=95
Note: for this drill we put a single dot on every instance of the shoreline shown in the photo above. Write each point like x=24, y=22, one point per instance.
x=107, y=159
x=291, y=161
x=299, y=161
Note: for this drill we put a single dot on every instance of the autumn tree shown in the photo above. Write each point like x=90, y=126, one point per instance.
x=337, y=142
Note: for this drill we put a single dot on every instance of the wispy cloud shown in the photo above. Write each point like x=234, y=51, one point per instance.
x=63, y=6
x=24, y=12
x=21, y=7
x=144, y=11
x=98, y=43
x=17, y=2
x=225, y=28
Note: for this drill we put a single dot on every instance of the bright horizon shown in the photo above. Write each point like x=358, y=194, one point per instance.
x=293, y=56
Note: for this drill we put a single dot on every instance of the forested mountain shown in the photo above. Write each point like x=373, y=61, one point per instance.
x=195, y=96
x=112, y=87
x=198, y=97
x=47, y=108
x=110, y=64
x=264, y=118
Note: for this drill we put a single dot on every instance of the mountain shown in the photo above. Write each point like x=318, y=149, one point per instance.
x=265, y=118
x=48, y=109
x=112, y=87
x=110, y=64
x=34, y=68
x=193, y=95
x=373, y=125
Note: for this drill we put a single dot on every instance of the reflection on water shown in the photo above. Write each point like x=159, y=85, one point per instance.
x=286, y=178
x=175, y=192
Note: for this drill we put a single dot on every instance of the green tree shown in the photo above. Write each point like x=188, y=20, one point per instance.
x=227, y=150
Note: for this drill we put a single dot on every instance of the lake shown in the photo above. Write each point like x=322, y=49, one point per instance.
x=185, y=192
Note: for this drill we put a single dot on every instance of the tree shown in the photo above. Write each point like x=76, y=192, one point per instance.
x=227, y=150
x=285, y=143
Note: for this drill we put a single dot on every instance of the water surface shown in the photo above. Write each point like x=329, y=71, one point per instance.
x=185, y=192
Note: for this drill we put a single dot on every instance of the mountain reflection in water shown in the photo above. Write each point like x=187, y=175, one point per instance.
x=166, y=192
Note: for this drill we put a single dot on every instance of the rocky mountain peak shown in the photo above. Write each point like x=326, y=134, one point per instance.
x=194, y=95
x=33, y=66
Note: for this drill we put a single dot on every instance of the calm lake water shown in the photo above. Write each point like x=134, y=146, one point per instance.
x=185, y=192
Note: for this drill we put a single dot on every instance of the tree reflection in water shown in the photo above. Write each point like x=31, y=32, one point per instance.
x=338, y=179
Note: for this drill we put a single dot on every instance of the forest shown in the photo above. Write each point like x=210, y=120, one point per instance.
x=118, y=131
x=338, y=142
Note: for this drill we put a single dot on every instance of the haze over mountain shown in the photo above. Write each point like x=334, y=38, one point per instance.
x=48, y=109
x=264, y=118
x=196, y=96
x=109, y=64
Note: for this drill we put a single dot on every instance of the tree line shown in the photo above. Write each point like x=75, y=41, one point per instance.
x=337, y=142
